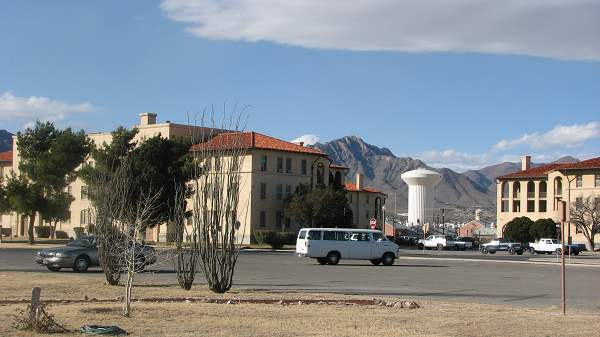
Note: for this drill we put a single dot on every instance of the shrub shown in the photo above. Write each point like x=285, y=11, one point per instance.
x=518, y=229
x=262, y=235
x=61, y=235
x=543, y=228
x=276, y=241
x=290, y=238
x=79, y=231
x=42, y=231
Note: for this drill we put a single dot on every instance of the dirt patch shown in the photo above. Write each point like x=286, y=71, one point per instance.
x=167, y=310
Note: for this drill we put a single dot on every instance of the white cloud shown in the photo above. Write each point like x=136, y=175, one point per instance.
x=559, y=137
x=455, y=160
x=307, y=139
x=27, y=109
x=561, y=29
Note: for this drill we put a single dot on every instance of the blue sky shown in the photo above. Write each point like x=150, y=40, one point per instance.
x=461, y=84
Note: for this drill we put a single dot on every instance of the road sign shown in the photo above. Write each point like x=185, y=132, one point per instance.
x=373, y=223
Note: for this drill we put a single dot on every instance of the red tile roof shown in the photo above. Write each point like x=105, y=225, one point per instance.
x=542, y=171
x=6, y=156
x=352, y=188
x=253, y=140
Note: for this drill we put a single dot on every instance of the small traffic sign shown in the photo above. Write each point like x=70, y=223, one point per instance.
x=373, y=223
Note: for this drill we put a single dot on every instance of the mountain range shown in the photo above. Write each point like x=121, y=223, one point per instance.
x=6, y=141
x=382, y=170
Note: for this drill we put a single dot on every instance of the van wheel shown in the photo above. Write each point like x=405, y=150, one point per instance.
x=376, y=262
x=322, y=260
x=388, y=259
x=440, y=246
x=333, y=258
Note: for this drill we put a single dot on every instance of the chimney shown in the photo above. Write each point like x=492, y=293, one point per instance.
x=525, y=163
x=360, y=181
x=148, y=118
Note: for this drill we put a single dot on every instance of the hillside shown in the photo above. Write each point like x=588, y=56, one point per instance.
x=6, y=141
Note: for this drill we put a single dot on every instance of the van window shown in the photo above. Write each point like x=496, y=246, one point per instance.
x=378, y=237
x=360, y=237
x=314, y=235
x=335, y=236
x=302, y=235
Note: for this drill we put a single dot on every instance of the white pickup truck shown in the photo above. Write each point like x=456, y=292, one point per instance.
x=549, y=246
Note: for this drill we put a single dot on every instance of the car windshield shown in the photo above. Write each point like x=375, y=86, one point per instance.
x=84, y=241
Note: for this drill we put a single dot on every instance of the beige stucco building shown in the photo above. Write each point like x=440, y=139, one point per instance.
x=271, y=170
x=536, y=192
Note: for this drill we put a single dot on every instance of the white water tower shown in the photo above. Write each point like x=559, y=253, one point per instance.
x=420, y=194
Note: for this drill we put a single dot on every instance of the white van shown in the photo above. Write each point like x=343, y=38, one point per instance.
x=329, y=245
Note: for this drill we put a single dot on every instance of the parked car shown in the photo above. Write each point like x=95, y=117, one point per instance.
x=463, y=242
x=83, y=253
x=503, y=244
x=438, y=242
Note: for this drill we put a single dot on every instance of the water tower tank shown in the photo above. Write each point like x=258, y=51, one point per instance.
x=420, y=194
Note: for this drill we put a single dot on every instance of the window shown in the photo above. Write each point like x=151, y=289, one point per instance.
x=335, y=236
x=279, y=191
x=530, y=205
x=263, y=217
x=83, y=193
x=278, y=219
x=531, y=190
x=303, y=166
x=504, y=190
x=263, y=191
x=367, y=199
x=288, y=165
x=543, y=190
x=579, y=180
x=516, y=206
x=378, y=237
x=517, y=190
x=597, y=183
x=70, y=190
x=288, y=191
x=279, y=164
x=263, y=163
x=542, y=206
x=504, y=206
x=360, y=237
x=350, y=198
x=85, y=216
x=558, y=186
x=314, y=235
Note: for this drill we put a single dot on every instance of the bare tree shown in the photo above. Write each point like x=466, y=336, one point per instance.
x=185, y=237
x=215, y=203
x=585, y=215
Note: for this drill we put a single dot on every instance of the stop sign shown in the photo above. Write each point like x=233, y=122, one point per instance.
x=373, y=223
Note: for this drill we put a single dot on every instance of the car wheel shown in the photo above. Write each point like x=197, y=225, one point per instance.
x=388, y=259
x=559, y=251
x=82, y=263
x=531, y=251
x=484, y=250
x=440, y=246
x=322, y=260
x=333, y=258
x=54, y=268
x=376, y=262
x=511, y=250
x=420, y=246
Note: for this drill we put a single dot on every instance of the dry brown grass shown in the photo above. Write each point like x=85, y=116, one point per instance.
x=173, y=317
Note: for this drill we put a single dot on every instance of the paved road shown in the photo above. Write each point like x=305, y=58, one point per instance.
x=527, y=280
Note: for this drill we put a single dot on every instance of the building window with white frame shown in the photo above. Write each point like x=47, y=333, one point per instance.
x=288, y=191
x=85, y=216
x=279, y=191
x=579, y=180
x=597, y=183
